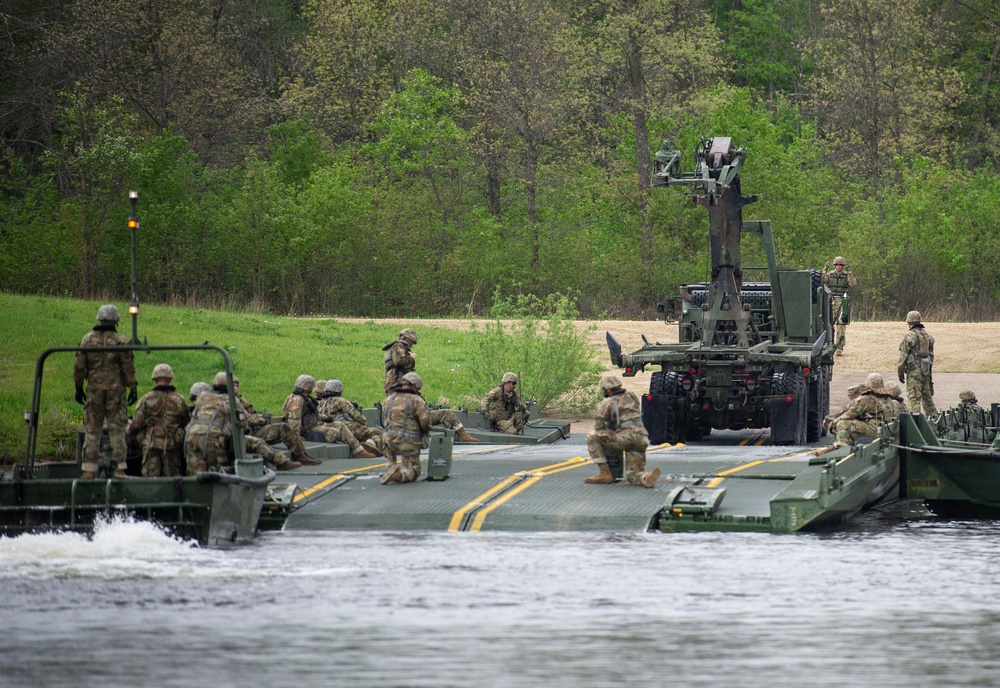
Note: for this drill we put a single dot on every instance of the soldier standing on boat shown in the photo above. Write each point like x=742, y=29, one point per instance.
x=505, y=411
x=916, y=362
x=840, y=281
x=301, y=413
x=210, y=430
x=108, y=374
x=158, y=423
x=399, y=359
x=407, y=426
x=618, y=427
x=272, y=433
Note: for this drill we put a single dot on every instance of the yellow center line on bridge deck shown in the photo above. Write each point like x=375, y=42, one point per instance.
x=332, y=479
x=664, y=447
x=533, y=476
x=536, y=475
x=714, y=482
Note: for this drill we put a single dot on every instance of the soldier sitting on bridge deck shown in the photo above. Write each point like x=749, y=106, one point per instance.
x=862, y=416
x=505, y=411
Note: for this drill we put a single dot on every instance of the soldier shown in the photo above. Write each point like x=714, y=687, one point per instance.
x=301, y=414
x=895, y=395
x=341, y=410
x=318, y=389
x=504, y=410
x=107, y=373
x=196, y=389
x=210, y=430
x=967, y=398
x=862, y=416
x=447, y=418
x=159, y=421
x=272, y=433
x=973, y=413
x=915, y=366
x=853, y=392
x=407, y=426
x=840, y=281
x=618, y=426
x=399, y=359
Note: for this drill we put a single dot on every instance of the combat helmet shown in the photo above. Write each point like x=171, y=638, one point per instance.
x=220, y=379
x=319, y=387
x=413, y=379
x=162, y=370
x=893, y=390
x=913, y=317
x=334, y=387
x=197, y=388
x=839, y=260
x=305, y=383
x=409, y=333
x=967, y=395
x=508, y=377
x=874, y=382
x=108, y=313
x=610, y=381
x=855, y=389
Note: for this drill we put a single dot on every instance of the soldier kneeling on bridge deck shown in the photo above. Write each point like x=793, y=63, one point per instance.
x=618, y=426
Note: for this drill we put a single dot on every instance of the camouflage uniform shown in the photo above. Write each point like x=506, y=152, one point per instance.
x=505, y=411
x=894, y=401
x=209, y=433
x=159, y=421
x=108, y=374
x=916, y=360
x=860, y=419
x=974, y=414
x=839, y=283
x=301, y=414
x=271, y=433
x=398, y=359
x=341, y=410
x=407, y=424
x=618, y=427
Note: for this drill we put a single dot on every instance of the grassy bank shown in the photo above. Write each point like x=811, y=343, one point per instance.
x=268, y=353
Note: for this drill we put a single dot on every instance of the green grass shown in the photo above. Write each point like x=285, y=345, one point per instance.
x=268, y=353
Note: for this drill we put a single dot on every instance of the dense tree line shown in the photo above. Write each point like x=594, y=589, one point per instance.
x=423, y=157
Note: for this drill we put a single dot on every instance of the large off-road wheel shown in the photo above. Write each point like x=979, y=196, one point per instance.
x=659, y=411
x=789, y=402
x=819, y=404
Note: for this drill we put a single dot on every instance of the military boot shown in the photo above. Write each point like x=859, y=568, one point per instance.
x=87, y=475
x=391, y=474
x=462, y=436
x=603, y=476
x=370, y=447
x=363, y=455
x=119, y=473
x=307, y=460
x=649, y=479
x=289, y=466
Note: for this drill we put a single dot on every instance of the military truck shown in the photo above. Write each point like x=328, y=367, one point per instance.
x=749, y=354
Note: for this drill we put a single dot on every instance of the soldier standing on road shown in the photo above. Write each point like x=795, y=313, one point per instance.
x=107, y=373
x=272, y=433
x=159, y=421
x=407, y=425
x=915, y=367
x=840, y=281
x=618, y=426
x=504, y=409
x=301, y=413
x=399, y=359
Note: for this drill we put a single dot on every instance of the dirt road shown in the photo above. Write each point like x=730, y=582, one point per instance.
x=967, y=355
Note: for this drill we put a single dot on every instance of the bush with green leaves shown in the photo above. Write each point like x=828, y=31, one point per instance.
x=536, y=338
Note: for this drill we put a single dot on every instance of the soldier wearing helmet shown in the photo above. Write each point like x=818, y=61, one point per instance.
x=107, y=374
x=840, y=281
x=974, y=414
x=916, y=363
x=618, y=428
x=263, y=432
x=333, y=404
x=208, y=441
x=158, y=426
x=407, y=426
x=399, y=359
x=505, y=411
x=853, y=392
x=301, y=412
x=863, y=415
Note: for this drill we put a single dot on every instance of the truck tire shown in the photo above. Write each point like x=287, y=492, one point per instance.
x=788, y=418
x=819, y=404
x=659, y=409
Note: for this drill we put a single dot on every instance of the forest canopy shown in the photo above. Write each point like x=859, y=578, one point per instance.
x=423, y=158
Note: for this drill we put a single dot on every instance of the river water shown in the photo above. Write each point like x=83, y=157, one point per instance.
x=897, y=598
